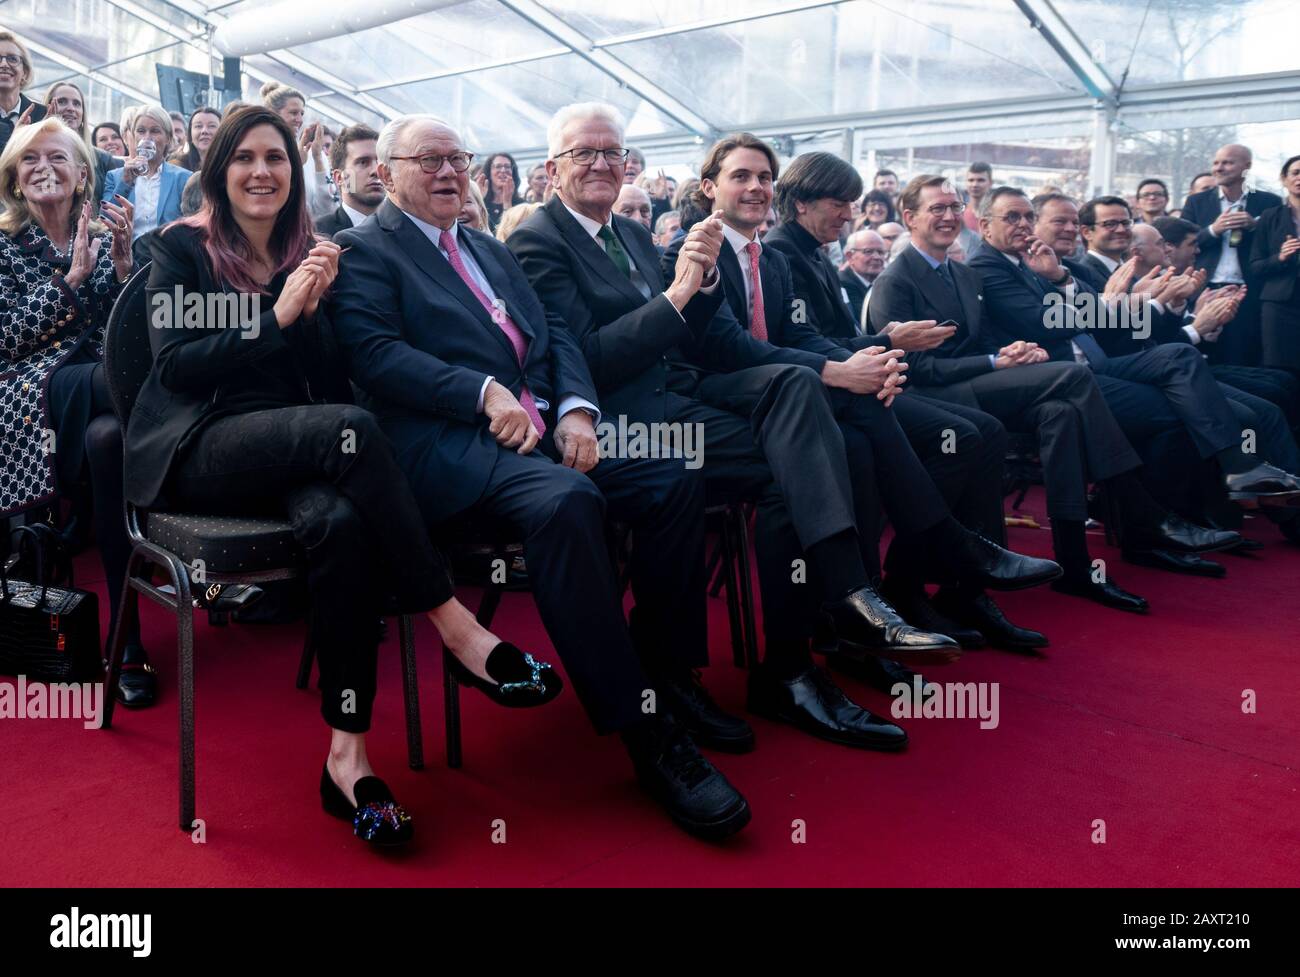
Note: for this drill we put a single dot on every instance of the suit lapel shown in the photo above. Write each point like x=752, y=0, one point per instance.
x=646, y=260
x=733, y=284
x=770, y=283
x=592, y=253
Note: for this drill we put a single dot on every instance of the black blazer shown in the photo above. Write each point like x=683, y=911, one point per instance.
x=856, y=291
x=1278, y=281
x=818, y=284
x=195, y=370
x=1015, y=308
x=910, y=289
x=7, y=127
x=1203, y=209
x=420, y=346
x=1166, y=327
x=785, y=327
x=630, y=342
x=333, y=222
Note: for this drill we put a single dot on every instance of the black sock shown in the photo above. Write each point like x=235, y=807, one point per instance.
x=1234, y=461
x=838, y=562
x=1134, y=502
x=1070, y=542
x=787, y=658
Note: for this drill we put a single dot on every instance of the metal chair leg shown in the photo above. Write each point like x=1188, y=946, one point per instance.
x=304, y=663
x=411, y=693
x=185, y=673
x=128, y=613
x=451, y=710
x=727, y=543
x=747, y=615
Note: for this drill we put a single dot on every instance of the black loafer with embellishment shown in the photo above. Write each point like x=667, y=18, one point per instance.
x=522, y=681
x=377, y=818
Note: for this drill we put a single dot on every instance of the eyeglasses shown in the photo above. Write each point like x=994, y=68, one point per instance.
x=13, y=60
x=585, y=157
x=432, y=163
x=1111, y=225
x=1017, y=217
x=938, y=210
x=1153, y=195
x=879, y=252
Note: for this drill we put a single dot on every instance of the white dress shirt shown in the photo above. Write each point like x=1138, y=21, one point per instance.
x=356, y=217
x=147, y=190
x=434, y=234
x=738, y=244
x=1229, y=267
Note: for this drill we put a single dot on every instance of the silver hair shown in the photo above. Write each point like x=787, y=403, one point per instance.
x=580, y=112
x=164, y=119
x=392, y=132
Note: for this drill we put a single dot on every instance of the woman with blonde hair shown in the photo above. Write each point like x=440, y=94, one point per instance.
x=474, y=211
x=291, y=106
x=60, y=270
x=152, y=184
x=68, y=102
x=513, y=217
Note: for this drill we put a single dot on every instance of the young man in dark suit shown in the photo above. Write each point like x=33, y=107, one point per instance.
x=492, y=414
x=355, y=163
x=1227, y=214
x=769, y=430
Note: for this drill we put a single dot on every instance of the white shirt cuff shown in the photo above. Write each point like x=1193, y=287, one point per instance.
x=1193, y=335
x=482, y=392
x=574, y=402
x=993, y=360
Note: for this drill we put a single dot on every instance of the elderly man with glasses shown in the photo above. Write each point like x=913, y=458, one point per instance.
x=493, y=415
x=865, y=253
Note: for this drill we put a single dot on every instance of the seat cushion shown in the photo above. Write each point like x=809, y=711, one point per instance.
x=226, y=544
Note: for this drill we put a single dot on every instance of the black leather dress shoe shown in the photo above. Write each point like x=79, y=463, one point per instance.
x=1175, y=562
x=985, y=615
x=377, y=818
x=879, y=673
x=813, y=703
x=984, y=563
x=669, y=768
x=1262, y=480
x=1103, y=593
x=866, y=624
x=690, y=703
x=137, y=685
x=917, y=610
x=1176, y=535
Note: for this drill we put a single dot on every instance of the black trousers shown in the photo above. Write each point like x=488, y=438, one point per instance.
x=560, y=513
x=1079, y=440
x=816, y=464
x=1278, y=387
x=1279, y=334
x=351, y=511
x=1175, y=373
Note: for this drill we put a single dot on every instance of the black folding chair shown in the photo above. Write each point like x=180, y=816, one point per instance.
x=233, y=551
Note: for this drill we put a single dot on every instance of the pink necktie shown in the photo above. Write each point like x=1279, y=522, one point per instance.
x=447, y=241
x=757, y=321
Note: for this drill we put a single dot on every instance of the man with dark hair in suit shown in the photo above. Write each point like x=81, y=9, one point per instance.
x=810, y=198
x=1148, y=391
x=769, y=431
x=1227, y=214
x=355, y=165
x=492, y=415
x=1152, y=199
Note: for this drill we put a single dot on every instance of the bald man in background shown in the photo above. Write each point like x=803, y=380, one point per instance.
x=865, y=253
x=1227, y=214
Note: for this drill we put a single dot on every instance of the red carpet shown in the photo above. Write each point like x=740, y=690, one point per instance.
x=1136, y=722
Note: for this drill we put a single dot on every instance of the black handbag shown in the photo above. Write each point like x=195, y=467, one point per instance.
x=47, y=633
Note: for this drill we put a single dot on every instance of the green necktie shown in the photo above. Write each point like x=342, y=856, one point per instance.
x=615, y=250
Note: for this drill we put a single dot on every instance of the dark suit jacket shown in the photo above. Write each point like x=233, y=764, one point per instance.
x=333, y=222
x=194, y=370
x=630, y=341
x=857, y=292
x=1203, y=209
x=7, y=127
x=910, y=289
x=1278, y=281
x=420, y=346
x=1120, y=340
x=785, y=327
x=170, y=188
x=1015, y=309
x=818, y=284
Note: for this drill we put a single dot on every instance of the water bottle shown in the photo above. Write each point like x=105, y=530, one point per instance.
x=146, y=149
